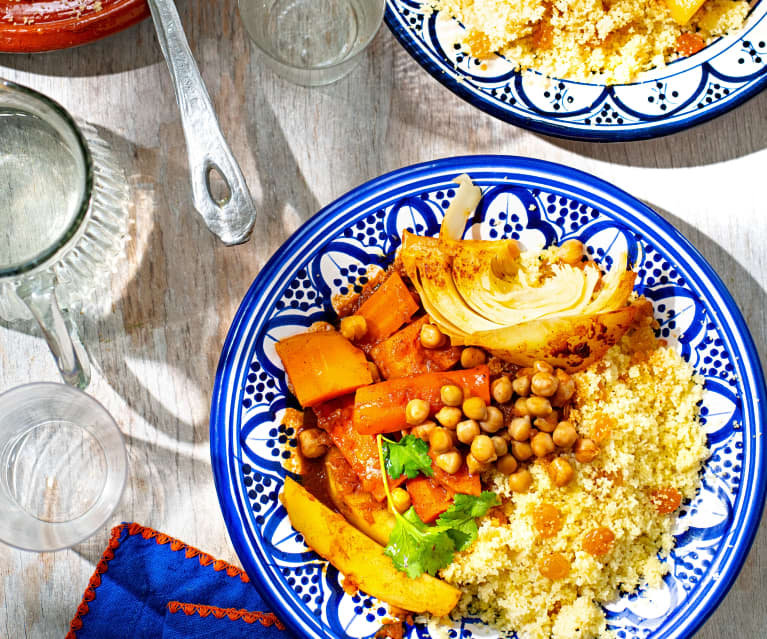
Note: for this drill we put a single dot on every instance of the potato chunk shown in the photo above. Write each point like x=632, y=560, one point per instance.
x=361, y=559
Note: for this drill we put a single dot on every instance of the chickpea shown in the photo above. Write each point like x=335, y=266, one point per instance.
x=416, y=411
x=546, y=424
x=475, y=408
x=451, y=395
x=541, y=366
x=431, y=336
x=538, y=406
x=400, y=499
x=544, y=384
x=542, y=444
x=473, y=465
x=501, y=445
x=467, y=430
x=507, y=464
x=561, y=472
x=374, y=372
x=471, y=357
x=586, y=450
x=440, y=440
x=313, y=442
x=423, y=431
x=483, y=450
x=564, y=434
x=520, y=481
x=449, y=462
x=521, y=385
x=494, y=421
x=565, y=389
x=521, y=450
x=519, y=428
x=354, y=327
x=520, y=408
x=449, y=416
x=571, y=252
x=501, y=389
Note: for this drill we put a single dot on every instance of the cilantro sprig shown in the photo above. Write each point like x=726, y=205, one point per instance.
x=415, y=547
x=408, y=456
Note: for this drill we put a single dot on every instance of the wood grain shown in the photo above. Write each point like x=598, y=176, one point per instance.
x=157, y=349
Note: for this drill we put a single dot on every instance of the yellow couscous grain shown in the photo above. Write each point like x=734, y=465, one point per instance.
x=653, y=440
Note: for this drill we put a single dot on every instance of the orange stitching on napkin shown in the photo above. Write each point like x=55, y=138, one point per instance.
x=190, y=551
x=248, y=616
x=95, y=581
x=147, y=533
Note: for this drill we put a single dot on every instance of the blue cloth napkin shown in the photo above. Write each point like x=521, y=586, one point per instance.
x=149, y=586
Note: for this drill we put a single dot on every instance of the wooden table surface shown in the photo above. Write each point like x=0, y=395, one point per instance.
x=155, y=353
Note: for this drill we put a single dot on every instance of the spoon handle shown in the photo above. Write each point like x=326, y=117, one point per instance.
x=229, y=215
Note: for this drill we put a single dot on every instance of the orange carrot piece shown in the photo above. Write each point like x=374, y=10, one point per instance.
x=430, y=498
x=380, y=408
x=461, y=482
x=322, y=366
x=688, y=44
x=402, y=354
x=360, y=451
x=387, y=309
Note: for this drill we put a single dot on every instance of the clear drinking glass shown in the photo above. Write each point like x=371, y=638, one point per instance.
x=62, y=466
x=312, y=42
x=63, y=219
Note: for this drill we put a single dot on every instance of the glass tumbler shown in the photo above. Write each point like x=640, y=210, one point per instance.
x=63, y=220
x=62, y=466
x=312, y=42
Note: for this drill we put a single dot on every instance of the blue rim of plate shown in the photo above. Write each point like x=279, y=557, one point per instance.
x=442, y=69
x=750, y=500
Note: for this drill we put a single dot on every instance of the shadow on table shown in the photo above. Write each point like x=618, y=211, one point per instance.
x=737, y=133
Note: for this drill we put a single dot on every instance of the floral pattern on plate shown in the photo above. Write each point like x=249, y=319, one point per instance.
x=538, y=203
x=662, y=101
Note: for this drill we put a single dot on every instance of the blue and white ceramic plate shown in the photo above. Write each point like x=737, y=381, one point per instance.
x=662, y=101
x=535, y=202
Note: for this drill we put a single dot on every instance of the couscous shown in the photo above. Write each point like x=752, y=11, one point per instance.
x=588, y=40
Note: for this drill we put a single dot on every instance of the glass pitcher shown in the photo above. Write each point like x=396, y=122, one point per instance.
x=63, y=220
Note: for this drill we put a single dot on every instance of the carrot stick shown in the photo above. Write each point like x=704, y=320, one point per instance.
x=430, y=499
x=380, y=408
x=387, y=309
x=360, y=451
x=461, y=482
x=402, y=354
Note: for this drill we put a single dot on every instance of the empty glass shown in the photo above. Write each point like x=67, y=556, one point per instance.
x=312, y=42
x=63, y=219
x=62, y=466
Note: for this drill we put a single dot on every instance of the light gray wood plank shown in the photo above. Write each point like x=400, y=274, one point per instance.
x=157, y=349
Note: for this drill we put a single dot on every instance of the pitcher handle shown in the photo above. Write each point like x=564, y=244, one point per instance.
x=67, y=350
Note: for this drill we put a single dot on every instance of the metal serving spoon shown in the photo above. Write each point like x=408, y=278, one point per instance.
x=232, y=214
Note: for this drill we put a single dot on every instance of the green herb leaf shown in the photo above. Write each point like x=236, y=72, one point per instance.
x=409, y=456
x=416, y=548
x=460, y=519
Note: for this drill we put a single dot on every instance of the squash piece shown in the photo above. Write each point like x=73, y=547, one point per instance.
x=387, y=309
x=322, y=365
x=402, y=354
x=430, y=498
x=380, y=408
x=358, y=506
x=682, y=11
x=361, y=559
x=360, y=451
